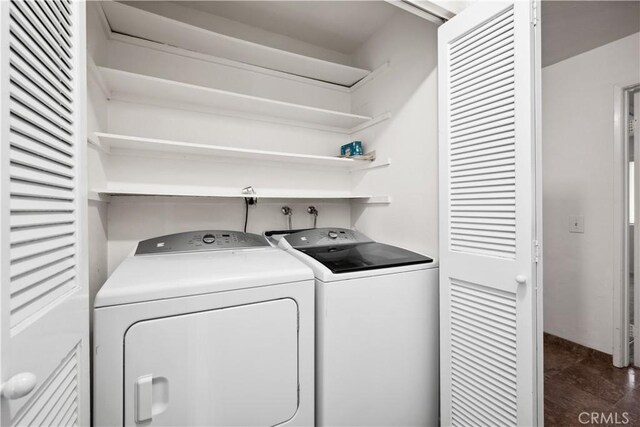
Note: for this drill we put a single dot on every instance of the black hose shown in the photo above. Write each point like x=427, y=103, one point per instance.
x=246, y=213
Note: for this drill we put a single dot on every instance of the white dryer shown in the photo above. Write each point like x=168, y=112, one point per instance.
x=376, y=329
x=208, y=328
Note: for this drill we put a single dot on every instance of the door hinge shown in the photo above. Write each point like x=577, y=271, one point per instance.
x=534, y=14
x=536, y=251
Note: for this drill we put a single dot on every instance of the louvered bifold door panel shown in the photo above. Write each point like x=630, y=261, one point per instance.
x=44, y=333
x=482, y=140
x=42, y=157
x=487, y=193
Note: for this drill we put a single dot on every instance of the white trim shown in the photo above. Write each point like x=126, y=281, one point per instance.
x=419, y=10
x=620, y=227
x=636, y=230
x=82, y=242
x=538, y=214
x=5, y=298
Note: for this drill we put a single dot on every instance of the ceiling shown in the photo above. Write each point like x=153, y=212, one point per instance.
x=570, y=28
x=341, y=26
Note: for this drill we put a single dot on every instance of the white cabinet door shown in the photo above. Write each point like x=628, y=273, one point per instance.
x=44, y=324
x=490, y=335
x=234, y=366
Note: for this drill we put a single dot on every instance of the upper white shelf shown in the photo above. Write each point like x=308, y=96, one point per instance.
x=125, y=86
x=150, y=26
x=127, y=143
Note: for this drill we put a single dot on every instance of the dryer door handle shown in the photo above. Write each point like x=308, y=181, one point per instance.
x=151, y=397
x=144, y=398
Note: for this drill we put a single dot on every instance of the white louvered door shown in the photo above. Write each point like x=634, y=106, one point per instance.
x=489, y=302
x=44, y=312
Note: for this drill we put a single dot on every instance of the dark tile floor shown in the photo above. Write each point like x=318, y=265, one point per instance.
x=578, y=379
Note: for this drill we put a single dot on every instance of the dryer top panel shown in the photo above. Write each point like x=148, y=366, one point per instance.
x=175, y=275
x=203, y=240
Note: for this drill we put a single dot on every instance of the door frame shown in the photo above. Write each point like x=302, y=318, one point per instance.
x=621, y=265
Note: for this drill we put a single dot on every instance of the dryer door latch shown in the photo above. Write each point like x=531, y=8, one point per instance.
x=147, y=387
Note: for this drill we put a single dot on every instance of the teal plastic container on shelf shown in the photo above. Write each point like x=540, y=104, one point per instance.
x=353, y=148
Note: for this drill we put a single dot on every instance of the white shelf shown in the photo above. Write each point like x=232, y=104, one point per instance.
x=128, y=86
x=130, y=20
x=197, y=191
x=114, y=143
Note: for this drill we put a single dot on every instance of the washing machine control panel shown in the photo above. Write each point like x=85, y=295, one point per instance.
x=325, y=237
x=195, y=241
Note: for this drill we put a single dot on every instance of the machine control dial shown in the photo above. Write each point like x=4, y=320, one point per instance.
x=332, y=235
x=208, y=239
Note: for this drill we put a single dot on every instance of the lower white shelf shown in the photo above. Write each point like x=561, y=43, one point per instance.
x=181, y=191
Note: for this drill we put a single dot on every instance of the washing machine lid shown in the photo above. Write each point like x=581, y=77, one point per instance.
x=363, y=256
x=347, y=251
x=162, y=276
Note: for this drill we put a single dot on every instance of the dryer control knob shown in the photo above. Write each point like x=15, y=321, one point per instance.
x=208, y=238
x=333, y=235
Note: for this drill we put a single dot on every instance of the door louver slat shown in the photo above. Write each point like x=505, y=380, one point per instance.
x=40, y=247
x=32, y=263
x=41, y=36
x=32, y=138
x=42, y=169
x=56, y=400
x=483, y=357
x=59, y=32
x=32, y=114
x=481, y=140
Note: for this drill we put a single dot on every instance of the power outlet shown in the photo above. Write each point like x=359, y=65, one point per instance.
x=576, y=224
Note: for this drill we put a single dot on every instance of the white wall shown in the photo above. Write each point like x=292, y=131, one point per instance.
x=132, y=219
x=408, y=89
x=577, y=136
x=239, y=30
x=96, y=121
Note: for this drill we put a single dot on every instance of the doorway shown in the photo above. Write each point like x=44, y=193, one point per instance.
x=582, y=378
x=626, y=346
x=586, y=212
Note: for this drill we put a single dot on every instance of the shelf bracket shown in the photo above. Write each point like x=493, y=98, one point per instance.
x=374, y=200
x=373, y=165
x=369, y=123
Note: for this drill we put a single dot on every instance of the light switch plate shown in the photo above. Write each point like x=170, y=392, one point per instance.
x=576, y=224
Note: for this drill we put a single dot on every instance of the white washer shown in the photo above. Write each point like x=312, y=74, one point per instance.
x=208, y=328
x=376, y=329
